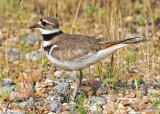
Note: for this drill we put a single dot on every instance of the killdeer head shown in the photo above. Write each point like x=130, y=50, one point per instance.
x=47, y=25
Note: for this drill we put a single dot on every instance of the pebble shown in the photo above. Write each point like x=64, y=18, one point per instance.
x=17, y=111
x=62, y=87
x=0, y=43
x=150, y=91
x=121, y=84
x=65, y=112
x=24, y=89
x=94, y=108
x=34, y=55
x=125, y=103
x=113, y=98
x=34, y=76
x=90, y=89
x=109, y=108
x=30, y=101
x=9, y=84
x=120, y=106
x=158, y=78
x=13, y=50
x=32, y=38
x=15, y=96
x=60, y=97
x=80, y=94
x=72, y=107
x=58, y=73
x=140, y=82
x=14, y=57
x=4, y=90
x=55, y=106
x=65, y=107
x=131, y=95
x=132, y=86
x=98, y=100
x=20, y=104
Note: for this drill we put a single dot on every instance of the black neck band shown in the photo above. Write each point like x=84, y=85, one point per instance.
x=47, y=37
x=47, y=48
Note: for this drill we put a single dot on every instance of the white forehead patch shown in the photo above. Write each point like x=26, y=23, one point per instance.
x=40, y=23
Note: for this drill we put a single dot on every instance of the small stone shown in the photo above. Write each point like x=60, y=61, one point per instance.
x=120, y=106
x=140, y=82
x=150, y=91
x=94, y=108
x=32, y=77
x=40, y=93
x=65, y=112
x=18, y=111
x=55, y=106
x=62, y=86
x=90, y=89
x=98, y=100
x=158, y=78
x=41, y=85
x=30, y=101
x=34, y=55
x=65, y=107
x=15, y=56
x=128, y=109
x=20, y=104
x=58, y=73
x=32, y=38
x=108, y=108
x=126, y=103
x=51, y=113
x=132, y=95
x=80, y=94
x=61, y=97
x=72, y=107
x=121, y=84
x=24, y=89
x=15, y=96
x=132, y=86
x=128, y=19
x=4, y=90
x=113, y=98
x=0, y=43
x=9, y=84
x=15, y=50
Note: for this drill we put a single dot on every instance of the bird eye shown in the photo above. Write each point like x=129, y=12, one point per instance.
x=44, y=23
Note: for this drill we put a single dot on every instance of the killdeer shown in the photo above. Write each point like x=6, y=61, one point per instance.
x=75, y=52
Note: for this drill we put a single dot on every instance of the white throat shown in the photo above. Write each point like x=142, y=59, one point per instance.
x=49, y=31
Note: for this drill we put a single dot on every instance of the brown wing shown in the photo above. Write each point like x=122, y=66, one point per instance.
x=71, y=47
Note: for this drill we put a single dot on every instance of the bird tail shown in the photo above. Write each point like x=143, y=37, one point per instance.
x=122, y=43
x=133, y=40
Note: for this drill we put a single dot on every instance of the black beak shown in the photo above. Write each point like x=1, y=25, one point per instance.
x=34, y=26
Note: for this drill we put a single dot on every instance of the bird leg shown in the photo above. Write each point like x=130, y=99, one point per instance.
x=81, y=77
x=78, y=84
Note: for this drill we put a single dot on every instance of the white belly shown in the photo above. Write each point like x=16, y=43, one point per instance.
x=85, y=61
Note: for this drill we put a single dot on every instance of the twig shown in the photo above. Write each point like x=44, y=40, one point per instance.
x=73, y=25
x=7, y=107
x=94, y=5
